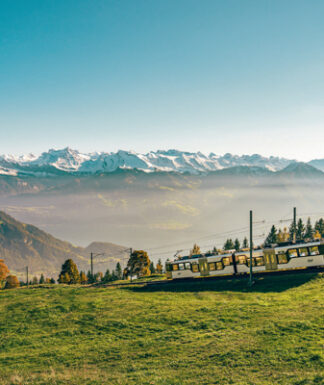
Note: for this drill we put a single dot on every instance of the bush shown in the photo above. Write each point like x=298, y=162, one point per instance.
x=12, y=282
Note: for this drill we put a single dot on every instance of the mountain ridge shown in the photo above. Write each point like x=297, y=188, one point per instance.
x=24, y=245
x=71, y=161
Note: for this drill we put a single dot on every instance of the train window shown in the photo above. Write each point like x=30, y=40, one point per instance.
x=313, y=250
x=175, y=267
x=292, y=253
x=259, y=261
x=194, y=268
x=248, y=262
x=212, y=266
x=187, y=265
x=241, y=259
x=226, y=261
x=181, y=266
x=282, y=257
x=219, y=266
x=303, y=252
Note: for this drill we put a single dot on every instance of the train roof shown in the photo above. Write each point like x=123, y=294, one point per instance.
x=256, y=252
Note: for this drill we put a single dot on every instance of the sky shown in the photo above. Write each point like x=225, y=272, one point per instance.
x=239, y=76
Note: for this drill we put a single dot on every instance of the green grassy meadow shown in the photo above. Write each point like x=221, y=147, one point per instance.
x=217, y=332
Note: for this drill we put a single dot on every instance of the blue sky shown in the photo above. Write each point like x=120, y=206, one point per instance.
x=236, y=76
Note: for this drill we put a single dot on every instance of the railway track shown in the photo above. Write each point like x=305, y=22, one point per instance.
x=215, y=278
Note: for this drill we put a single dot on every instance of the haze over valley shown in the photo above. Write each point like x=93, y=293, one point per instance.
x=157, y=210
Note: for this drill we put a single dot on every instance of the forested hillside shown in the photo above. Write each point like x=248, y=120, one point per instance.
x=24, y=245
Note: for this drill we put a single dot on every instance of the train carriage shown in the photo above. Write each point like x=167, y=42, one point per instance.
x=279, y=257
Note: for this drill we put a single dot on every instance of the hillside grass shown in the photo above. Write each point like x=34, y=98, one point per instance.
x=217, y=332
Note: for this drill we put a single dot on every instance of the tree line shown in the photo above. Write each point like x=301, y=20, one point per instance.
x=296, y=232
x=138, y=265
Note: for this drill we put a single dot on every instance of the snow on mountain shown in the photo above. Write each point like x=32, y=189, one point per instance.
x=72, y=161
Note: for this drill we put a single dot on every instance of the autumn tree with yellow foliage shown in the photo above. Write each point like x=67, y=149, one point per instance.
x=195, y=250
x=139, y=264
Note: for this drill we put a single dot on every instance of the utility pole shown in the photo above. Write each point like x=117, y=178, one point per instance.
x=130, y=254
x=91, y=264
x=93, y=255
x=251, y=248
x=27, y=278
x=295, y=225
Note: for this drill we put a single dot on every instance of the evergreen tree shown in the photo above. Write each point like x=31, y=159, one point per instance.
x=215, y=251
x=114, y=276
x=245, y=243
x=195, y=250
x=152, y=268
x=69, y=272
x=118, y=271
x=83, y=278
x=139, y=263
x=107, y=276
x=319, y=226
x=90, y=277
x=42, y=279
x=272, y=237
x=159, y=267
x=52, y=280
x=309, y=232
x=229, y=245
x=237, y=245
x=300, y=232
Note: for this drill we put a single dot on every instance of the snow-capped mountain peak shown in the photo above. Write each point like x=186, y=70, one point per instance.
x=72, y=161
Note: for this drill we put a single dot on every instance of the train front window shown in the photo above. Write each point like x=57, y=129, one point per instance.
x=293, y=253
x=303, y=252
x=212, y=266
x=314, y=250
x=194, y=268
x=175, y=267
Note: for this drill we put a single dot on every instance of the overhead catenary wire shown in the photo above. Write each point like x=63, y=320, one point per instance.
x=259, y=225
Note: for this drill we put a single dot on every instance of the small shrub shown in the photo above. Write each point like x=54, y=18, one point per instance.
x=12, y=282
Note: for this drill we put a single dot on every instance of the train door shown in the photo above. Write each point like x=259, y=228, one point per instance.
x=270, y=259
x=203, y=266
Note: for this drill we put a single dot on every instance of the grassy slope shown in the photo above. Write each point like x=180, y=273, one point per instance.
x=198, y=333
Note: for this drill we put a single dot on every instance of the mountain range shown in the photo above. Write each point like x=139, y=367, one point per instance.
x=69, y=161
x=24, y=245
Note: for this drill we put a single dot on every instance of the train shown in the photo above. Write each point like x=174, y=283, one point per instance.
x=279, y=257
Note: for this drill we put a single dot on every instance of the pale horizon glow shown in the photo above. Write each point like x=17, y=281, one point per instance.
x=223, y=77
